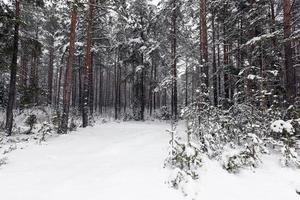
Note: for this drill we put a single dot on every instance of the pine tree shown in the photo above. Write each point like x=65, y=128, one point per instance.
x=13, y=71
x=88, y=73
x=68, y=77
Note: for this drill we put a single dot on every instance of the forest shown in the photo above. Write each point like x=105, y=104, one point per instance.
x=221, y=76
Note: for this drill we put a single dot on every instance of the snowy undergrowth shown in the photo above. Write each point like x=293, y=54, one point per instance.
x=34, y=125
x=238, y=140
x=204, y=178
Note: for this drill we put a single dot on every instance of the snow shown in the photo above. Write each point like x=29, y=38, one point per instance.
x=190, y=152
x=138, y=40
x=266, y=36
x=112, y=161
x=252, y=77
x=279, y=125
x=274, y=72
x=155, y=2
x=124, y=161
x=268, y=182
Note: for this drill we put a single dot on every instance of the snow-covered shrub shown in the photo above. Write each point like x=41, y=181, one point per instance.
x=249, y=156
x=289, y=157
x=45, y=130
x=2, y=125
x=73, y=125
x=56, y=119
x=27, y=120
x=245, y=128
x=3, y=161
x=280, y=126
x=164, y=113
x=31, y=121
x=240, y=160
x=128, y=116
x=176, y=177
x=184, y=158
x=286, y=137
x=10, y=148
x=183, y=182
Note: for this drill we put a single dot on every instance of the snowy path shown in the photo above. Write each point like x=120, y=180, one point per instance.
x=123, y=161
x=113, y=161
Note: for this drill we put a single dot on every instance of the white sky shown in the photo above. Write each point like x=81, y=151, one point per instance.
x=155, y=2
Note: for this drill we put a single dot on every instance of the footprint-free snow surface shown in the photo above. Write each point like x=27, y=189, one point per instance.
x=112, y=161
x=124, y=161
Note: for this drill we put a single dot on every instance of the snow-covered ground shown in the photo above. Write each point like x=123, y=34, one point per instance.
x=113, y=161
x=269, y=182
x=124, y=161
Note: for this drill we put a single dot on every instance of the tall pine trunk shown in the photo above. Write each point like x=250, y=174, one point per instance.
x=174, y=63
x=116, y=84
x=13, y=73
x=290, y=83
x=203, y=40
x=213, y=79
x=50, y=72
x=88, y=65
x=68, y=76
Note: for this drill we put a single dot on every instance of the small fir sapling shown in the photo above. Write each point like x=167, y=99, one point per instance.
x=184, y=158
x=30, y=121
x=73, y=126
x=165, y=113
x=56, y=118
x=248, y=157
x=285, y=132
x=44, y=131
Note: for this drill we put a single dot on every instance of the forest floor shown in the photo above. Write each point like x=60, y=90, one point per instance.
x=124, y=161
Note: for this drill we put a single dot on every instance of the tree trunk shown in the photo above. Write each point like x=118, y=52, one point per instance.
x=174, y=63
x=91, y=86
x=214, y=93
x=13, y=73
x=33, y=78
x=203, y=40
x=101, y=89
x=142, y=97
x=24, y=69
x=116, y=85
x=59, y=83
x=50, y=72
x=290, y=82
x=186, y=81
x=224, y=76
x=68, y=76
x=221, y=89
x=88, y=65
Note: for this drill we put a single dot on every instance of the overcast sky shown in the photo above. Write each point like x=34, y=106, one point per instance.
x=155, y=1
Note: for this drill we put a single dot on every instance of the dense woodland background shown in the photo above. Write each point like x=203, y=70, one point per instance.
x=133, y=59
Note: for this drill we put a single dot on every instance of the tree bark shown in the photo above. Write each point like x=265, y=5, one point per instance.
x=290, y=79
x=50, y=72
x=13, y=72
x=88, y=65
x=24, y=69
x=116, y=85
x=186, y=81
x=68, y=76
x=174, y=62
x=203, y=41
x=213, y=79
